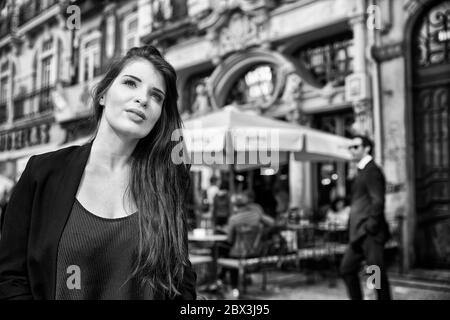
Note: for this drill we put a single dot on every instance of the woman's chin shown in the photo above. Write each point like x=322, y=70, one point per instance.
x=133, y=132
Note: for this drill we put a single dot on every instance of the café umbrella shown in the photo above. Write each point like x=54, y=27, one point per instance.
x=245, y=140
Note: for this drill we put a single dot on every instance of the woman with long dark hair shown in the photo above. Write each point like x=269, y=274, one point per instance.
x=106, y=220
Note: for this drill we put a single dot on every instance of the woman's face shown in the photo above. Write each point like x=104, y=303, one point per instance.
x=133, y=103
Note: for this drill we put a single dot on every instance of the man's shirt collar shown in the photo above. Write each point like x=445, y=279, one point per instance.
x=364, y=161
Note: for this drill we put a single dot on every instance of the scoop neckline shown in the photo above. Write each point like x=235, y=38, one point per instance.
x=103, y=218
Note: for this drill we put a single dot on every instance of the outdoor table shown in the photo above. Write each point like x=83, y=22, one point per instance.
x=332, y=229
x=210, y=239
x=334, y=234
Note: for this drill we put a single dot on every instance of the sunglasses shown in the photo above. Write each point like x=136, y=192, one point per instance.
x=354, y=147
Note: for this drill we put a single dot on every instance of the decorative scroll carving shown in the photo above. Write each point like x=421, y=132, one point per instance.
x=431, y=43
x=240, y=32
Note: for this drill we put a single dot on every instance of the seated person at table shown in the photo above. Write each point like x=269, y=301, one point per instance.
x=338, y=214
x=221, y=206
x=245, y=213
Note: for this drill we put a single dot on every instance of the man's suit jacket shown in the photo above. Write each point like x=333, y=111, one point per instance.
x=367, y=205
x=37, y=213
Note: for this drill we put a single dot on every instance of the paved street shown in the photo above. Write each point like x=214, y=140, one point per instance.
x=298, y=286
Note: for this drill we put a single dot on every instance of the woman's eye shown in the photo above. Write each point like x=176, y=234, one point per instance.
x=130, y=83
x=159, y=98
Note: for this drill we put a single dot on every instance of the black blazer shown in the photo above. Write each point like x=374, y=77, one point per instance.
x=367, y=205
x=37, y=213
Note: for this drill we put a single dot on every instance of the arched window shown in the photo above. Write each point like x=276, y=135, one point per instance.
x=432, y=40
x=256, y=85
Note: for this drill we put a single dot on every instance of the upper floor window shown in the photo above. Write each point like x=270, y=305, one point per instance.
x=5, y=20
x=4, y=90
x=47, y=54
x=4, y=81
x=164, y=11
x=46, y=72
x=90, y=58
x=329, y=60
x=29, y=9
x=255, y=86
x=130, y=33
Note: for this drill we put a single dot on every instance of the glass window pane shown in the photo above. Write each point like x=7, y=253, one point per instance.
x=256, y=85
x=3, y=89
x=46, y=71
x=329, y=60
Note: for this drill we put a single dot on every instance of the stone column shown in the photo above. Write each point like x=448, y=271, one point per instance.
x=296, y=183
x=300, y=175
x=362, y=107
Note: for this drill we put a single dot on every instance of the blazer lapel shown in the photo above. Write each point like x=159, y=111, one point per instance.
x=64, y=197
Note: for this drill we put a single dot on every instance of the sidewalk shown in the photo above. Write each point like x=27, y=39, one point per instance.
x=298, y=286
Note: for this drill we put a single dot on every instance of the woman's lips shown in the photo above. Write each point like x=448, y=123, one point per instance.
x=138, y=113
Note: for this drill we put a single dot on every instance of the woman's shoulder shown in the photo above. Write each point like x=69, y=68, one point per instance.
x=48, y=161
x=59, y=154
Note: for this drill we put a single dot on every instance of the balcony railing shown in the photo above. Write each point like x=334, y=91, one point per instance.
x=30, y=9
x=34, y=103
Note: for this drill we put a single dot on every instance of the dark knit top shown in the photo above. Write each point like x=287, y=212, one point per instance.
x=95, y=258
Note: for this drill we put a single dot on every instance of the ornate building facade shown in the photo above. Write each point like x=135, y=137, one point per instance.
x=378, y=67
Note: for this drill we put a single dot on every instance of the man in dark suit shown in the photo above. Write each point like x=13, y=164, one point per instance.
x=369, y=230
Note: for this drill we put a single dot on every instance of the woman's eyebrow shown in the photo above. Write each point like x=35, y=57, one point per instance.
x=135, y=78
x=139, y=80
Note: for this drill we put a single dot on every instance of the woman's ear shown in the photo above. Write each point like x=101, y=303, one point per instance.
x=102, y=101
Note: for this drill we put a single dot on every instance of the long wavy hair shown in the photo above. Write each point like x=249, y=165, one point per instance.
x=157, y=185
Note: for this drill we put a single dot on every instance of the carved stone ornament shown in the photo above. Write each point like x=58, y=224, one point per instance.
x=291, y=96
x=363, y=118
x=240, y=33
x=235, y=25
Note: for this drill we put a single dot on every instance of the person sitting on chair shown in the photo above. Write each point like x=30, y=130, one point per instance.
x=247, y=216
x=338, y=214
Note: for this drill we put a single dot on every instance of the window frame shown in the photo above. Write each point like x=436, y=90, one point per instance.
x=47, y=54
x=90, y=54
x=126, y=36
x=6, y=74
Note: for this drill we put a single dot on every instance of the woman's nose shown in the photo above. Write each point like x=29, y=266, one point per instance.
x=142, y=101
